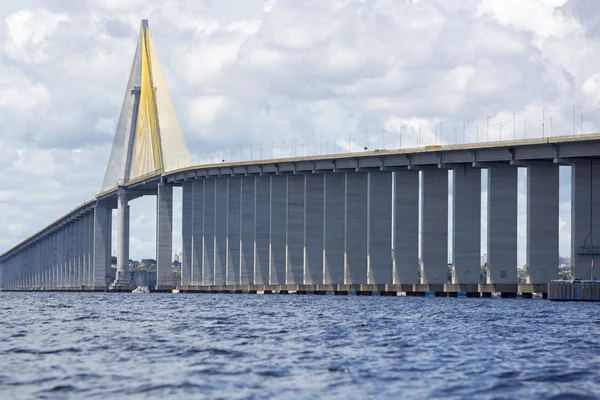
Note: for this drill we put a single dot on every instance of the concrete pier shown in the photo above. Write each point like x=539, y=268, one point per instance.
x=221, y=213
x=187, y=230
x=502, y=230
x=585, y=221
x=247, y=231
x=434, y=229
x=208, y=233
x=379, y=236
x=164, y=237
x=314, y=228
x=277, y=230
x=262, y=225
x=295, y=230
x=355, y=228
x=121, y=282
x=197, y=217
x=333, y=251
x=406, y=228
x=466, y=236
x=234, y=192
x=542, y=223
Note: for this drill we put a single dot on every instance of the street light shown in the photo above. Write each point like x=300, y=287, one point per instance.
x=544, y=123
x=515, y=125
x=464, y=128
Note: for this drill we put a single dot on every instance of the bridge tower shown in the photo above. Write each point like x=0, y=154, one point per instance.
x=148, y=140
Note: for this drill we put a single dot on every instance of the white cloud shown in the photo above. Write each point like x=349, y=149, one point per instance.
x=19, y=93
x=27, y=32
x=204, y=110
x=265, y=72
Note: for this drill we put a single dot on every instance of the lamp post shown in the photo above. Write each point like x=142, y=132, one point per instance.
x=464, y=129
x=544, y=122
x=515, y=126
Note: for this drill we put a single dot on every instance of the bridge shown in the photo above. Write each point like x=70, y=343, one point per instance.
x=344, y=223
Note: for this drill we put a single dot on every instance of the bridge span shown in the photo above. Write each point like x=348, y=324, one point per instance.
x=325, y=223
x=334, y=223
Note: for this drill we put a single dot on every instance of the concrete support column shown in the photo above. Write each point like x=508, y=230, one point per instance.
x=406, y=228
x=59, y=257
x=77, y=243
x=234, y=192
x=123, y=239
x=90, y=250
x=43, y=258
x=187, y=228
x=69, y=255
x=314, y=228
x=220, y=231
x=64, y=273
x=379, y=239
x=262, y=225
x=355, y=228
x=434, y=229
x=335, y=215
x=466, y=230
x=277, y=230
x=83, y=247
x=74, y=251
x=585, y=217
x=197, y=232
x=502, y=225
x=542, y=223
x=247, y=231
x=208, y=234
x=102, y=244
x=36, y=266
x=164, y=237
x=294, y=271
x=54, y=260
x=42, y=270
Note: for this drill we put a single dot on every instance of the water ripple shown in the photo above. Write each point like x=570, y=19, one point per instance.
x=76, y=345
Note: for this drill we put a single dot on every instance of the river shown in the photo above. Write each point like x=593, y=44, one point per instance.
x=82, y=345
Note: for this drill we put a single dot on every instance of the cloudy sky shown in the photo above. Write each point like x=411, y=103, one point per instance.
x=334, y=74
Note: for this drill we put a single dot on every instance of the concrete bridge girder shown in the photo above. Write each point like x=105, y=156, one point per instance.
x=306, y=194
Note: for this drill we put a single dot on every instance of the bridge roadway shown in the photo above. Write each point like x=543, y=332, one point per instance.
x=324, y=224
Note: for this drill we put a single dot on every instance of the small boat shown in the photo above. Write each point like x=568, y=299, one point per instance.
x=141, y=289
x=175, y=291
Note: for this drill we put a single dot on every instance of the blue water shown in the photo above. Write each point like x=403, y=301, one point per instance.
x=77, y=345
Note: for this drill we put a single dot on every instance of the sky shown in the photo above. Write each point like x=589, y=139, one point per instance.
x=283, y=77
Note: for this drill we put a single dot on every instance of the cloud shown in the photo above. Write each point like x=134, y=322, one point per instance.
x=263, y=75
x=28, y=31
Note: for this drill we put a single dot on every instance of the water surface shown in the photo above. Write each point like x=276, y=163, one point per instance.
x=78, y=345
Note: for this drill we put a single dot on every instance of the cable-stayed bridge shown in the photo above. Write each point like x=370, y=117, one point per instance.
x=330, y=223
